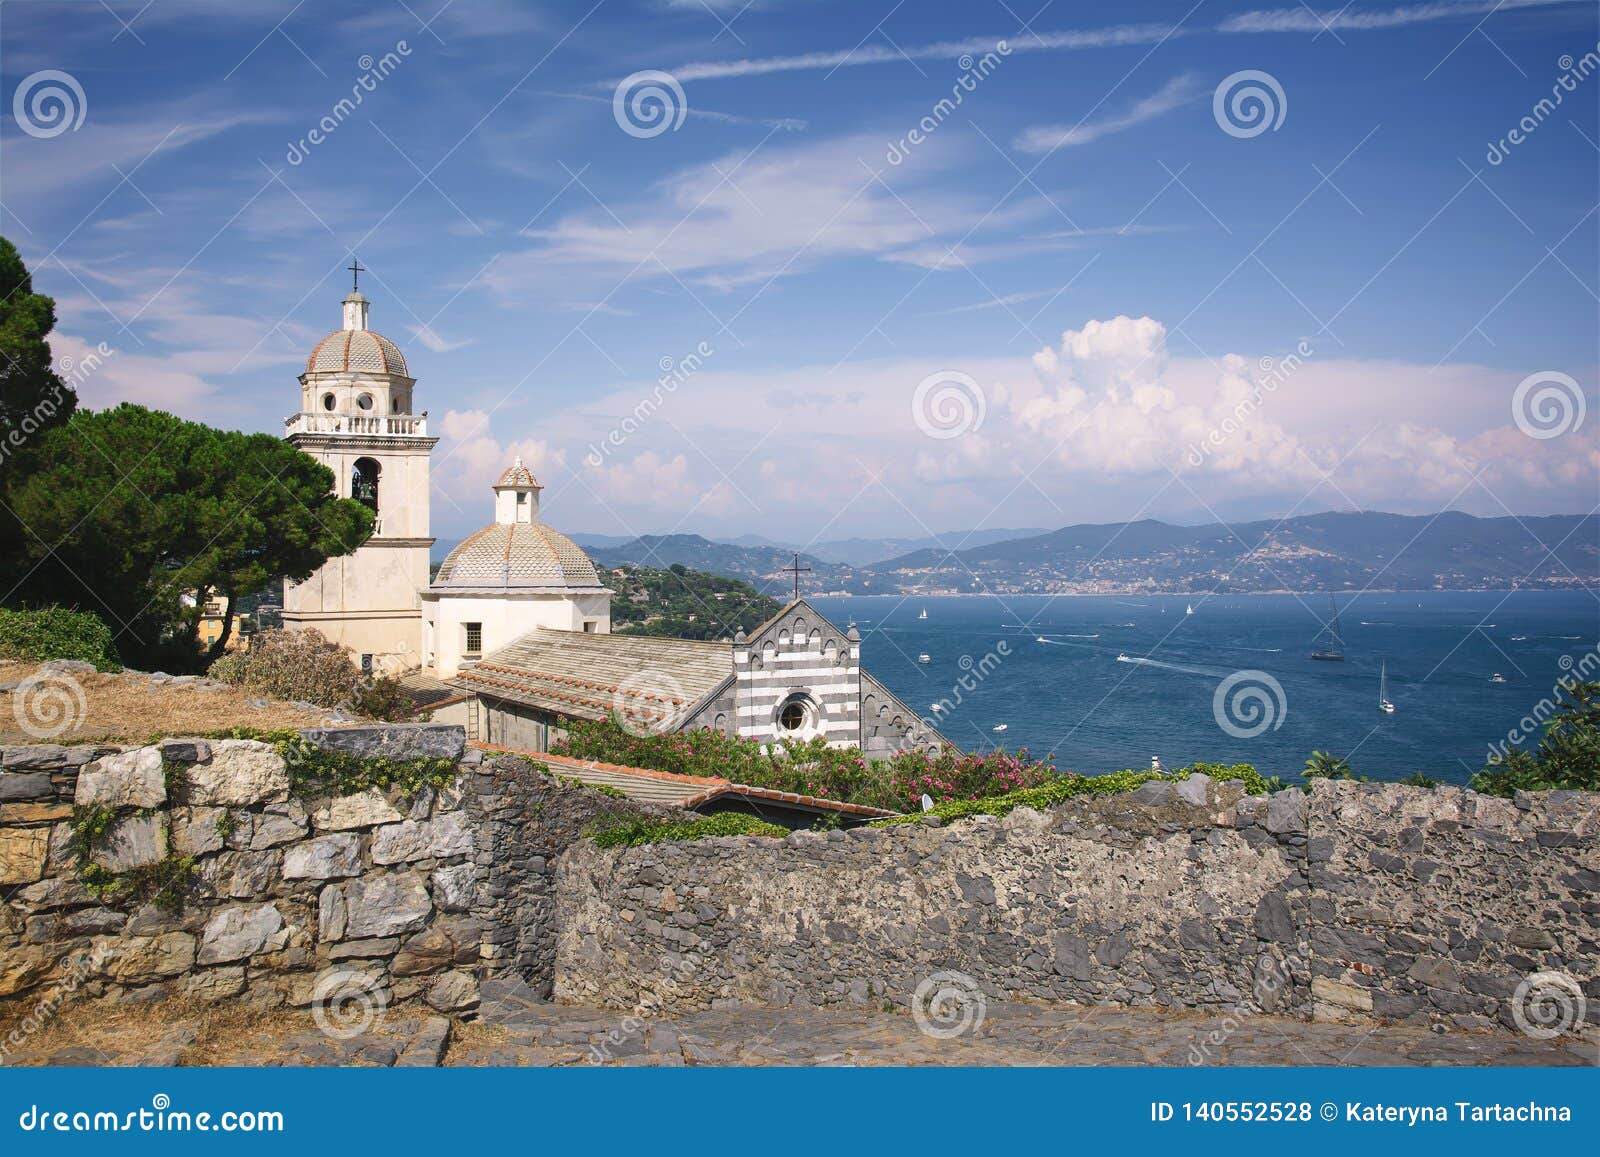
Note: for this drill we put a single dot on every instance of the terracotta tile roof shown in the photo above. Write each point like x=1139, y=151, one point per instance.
x=684, y=791
x=589, y=675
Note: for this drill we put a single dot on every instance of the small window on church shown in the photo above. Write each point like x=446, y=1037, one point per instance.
x=474, y=638
x=793, y=717
x=589, y=626
x=365, y=401
x=329, y=401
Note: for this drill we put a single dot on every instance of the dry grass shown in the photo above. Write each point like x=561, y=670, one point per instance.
x=130, y=709
x=223, y=1032
x=475, y=1034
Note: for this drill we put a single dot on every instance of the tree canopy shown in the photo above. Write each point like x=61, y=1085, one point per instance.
x=129, y=509
x=33, y=398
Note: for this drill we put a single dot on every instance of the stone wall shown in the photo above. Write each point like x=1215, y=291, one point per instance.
x=1351, y=901
x=367, y=896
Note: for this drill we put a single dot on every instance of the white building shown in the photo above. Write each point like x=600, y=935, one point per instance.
x=512, y=576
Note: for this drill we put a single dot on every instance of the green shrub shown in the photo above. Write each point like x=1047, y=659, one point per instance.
x=167, y=884
x=1325, y=765
x=1069, y=785
x=632, y=831
x=1568, y=754
x=304, y=665
x=812, y=767
x=57, y=633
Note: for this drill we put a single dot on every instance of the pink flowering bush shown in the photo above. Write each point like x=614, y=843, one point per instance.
x=812, y=768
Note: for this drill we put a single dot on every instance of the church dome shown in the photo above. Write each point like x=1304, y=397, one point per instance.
x=516, y=475
x=359, y=350
x=516, y=555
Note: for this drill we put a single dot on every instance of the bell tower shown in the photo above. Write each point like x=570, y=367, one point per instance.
x=356, y=418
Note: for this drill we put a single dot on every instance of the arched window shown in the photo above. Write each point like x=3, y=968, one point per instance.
x=364, y=483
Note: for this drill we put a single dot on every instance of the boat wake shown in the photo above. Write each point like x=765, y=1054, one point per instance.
x=1208, y=672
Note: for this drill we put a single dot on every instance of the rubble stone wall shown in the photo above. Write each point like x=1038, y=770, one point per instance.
x=1347, y=902
x=211, y=880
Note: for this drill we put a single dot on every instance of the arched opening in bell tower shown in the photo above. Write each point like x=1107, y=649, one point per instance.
x=364, y=483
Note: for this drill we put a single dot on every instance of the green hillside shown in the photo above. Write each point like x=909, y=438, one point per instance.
x=683, y=603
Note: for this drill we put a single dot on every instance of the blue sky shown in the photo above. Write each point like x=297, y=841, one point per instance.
x=1093, y=274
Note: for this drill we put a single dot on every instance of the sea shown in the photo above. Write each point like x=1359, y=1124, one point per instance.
x=1105, y=682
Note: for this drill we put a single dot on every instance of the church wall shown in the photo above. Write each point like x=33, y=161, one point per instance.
x=505, y=618
x=800, y=657
x=888, y=726
x=1353, y=902
x=518, y=726
x=721, y=714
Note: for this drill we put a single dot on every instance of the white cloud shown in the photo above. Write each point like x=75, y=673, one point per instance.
x=745, y=218
x=469, y=458
x=1306, y=19
x=1176, y=93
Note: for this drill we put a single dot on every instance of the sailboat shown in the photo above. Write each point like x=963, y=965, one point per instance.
x=1188, y=609
x=1384, y=703
x=1334, y=651
x=924, y=613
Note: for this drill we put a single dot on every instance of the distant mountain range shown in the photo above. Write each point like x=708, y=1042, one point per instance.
x=851, y=552
x=1369, y=549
